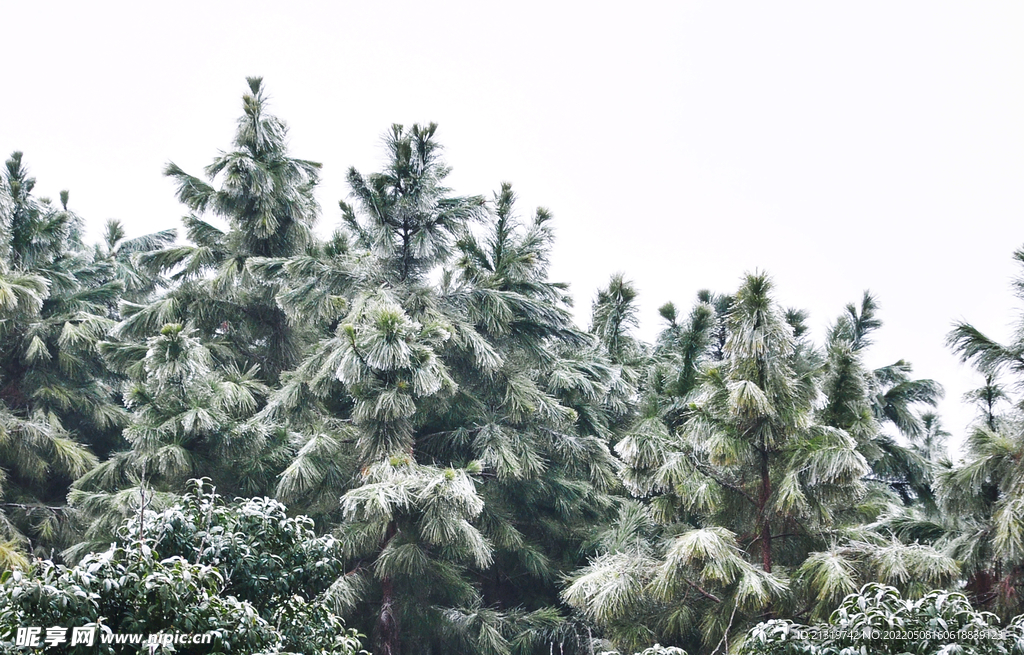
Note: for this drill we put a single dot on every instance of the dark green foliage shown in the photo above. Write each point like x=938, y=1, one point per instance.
x=983, y=499
x=877, y=620
x=265, y=194
x=275, y=562
x=245, y=572
x=614, y=315
x=128, y=591
x=865, y=402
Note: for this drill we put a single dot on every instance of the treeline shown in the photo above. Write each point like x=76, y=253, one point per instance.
x=484, y=475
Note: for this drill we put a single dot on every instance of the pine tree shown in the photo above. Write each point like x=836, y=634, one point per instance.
x=266, y=198
x=57, y=399
x=744, y=486
x=188, y=418
x=454, y=404
x=983, y=498
x=865, y=402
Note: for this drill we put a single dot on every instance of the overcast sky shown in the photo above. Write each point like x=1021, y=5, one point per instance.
x=838, y=146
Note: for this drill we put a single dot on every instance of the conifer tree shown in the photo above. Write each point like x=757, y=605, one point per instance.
x=266, y=198
x=188, y=418
x=58, y=405
x=983, y=498
x=484, y=476
x=453, y=403
x=866, y=402
x=742, y=483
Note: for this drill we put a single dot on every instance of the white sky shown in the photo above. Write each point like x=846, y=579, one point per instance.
x=839, y=146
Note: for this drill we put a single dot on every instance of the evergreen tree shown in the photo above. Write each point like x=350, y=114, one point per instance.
x=266, y=198
x=864, y=402
x=470, y=476
x=188, y=418
x=983, y=499
x=745, y=487
x=484, y=476
x=931, y=444
x=58, y=404
x=117, y=259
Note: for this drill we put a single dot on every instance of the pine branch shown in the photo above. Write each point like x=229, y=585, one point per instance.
x=706, y=470
x=26, y=506
x=703, y=592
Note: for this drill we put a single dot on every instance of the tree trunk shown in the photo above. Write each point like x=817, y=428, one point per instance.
x=765, y=528
x=388, y=638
